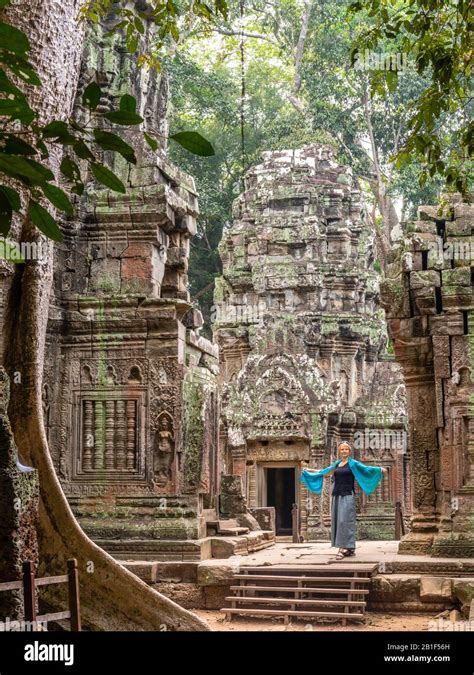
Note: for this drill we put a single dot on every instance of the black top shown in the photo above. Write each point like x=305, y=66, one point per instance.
x=343, y=481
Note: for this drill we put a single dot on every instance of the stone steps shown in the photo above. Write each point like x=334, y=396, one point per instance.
x=225, y=528
x=316, y=591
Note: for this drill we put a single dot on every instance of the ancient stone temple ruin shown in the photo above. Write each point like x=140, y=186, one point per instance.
x=429, y=300
x=303, y=343
x=130, y=397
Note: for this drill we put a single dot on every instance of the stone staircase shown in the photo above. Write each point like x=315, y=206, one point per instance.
x=300, y=591
x=216, y=526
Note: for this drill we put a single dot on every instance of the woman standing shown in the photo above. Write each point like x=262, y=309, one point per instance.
x=343, y=507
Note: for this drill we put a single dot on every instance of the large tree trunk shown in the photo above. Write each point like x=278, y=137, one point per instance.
x=112, y=598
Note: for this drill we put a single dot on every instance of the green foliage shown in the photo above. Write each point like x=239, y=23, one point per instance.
x=205, y=82
x=194, y=142
x=207, y=99
x=44, y=221
x=25, y=144
x=173, y=19
x=437, y=35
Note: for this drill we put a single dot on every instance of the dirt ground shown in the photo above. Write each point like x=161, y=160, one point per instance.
x=374, y=622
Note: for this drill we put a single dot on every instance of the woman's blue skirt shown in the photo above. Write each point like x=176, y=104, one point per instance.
x=343, y=521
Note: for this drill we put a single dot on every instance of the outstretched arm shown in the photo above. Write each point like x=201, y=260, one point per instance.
x=328, y=473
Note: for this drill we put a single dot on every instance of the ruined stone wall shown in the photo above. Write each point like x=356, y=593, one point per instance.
x=128, y=378
x=302, y=337
x=428, y=297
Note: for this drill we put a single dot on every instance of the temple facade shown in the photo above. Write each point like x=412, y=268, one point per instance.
x=130, y=389
x=303, y=345
x=428, y=295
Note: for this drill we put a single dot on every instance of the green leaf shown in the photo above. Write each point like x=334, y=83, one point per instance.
x=13, y=40
x=70, y=169
x=221, y=7
x=82, y=151
x=194, y=142
x=20, y=167
x=139, y=25
x=24, y=70
x=17, y=109
x=55, y=129
x=4, y=3
x=12, y=196
x=391, y=77
x=124, y=117
x=8, y=87
x=151, y=141
x=107, y=177
x=132, y=44
x=108, y=141
x=91, y=96
x=58, y=198
x=44, y=221
x=17, y=146
x=5, y=214
x=128, y=103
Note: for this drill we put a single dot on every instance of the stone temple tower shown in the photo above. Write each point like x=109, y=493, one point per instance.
x=303, y=345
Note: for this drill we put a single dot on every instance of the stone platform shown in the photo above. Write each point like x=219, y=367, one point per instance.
x=404, y=583
x=192, y=550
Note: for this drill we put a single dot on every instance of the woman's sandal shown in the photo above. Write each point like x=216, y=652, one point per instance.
x=349, y=552
x=340, y=555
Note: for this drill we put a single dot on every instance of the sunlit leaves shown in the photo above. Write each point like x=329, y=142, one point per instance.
x=438, y=38
x=24, y=138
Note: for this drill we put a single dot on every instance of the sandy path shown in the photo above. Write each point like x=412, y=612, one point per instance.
x=374, y=622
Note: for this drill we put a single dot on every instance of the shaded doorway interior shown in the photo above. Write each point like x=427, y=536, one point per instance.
x=281, y=494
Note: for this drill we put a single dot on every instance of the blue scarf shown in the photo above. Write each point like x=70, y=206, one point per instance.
x=368, y=477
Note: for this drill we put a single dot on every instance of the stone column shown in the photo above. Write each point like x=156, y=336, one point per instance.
x=428, y=297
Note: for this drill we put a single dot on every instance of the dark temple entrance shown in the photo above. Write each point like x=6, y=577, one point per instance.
x=281, y=495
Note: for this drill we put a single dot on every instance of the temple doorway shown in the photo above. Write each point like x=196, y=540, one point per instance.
x=280, y=493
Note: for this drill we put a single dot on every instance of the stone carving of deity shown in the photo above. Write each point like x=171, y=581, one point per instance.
x=163, y=450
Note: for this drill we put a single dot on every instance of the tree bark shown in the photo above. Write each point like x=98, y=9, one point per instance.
x=112, y=598
x=380, y=187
